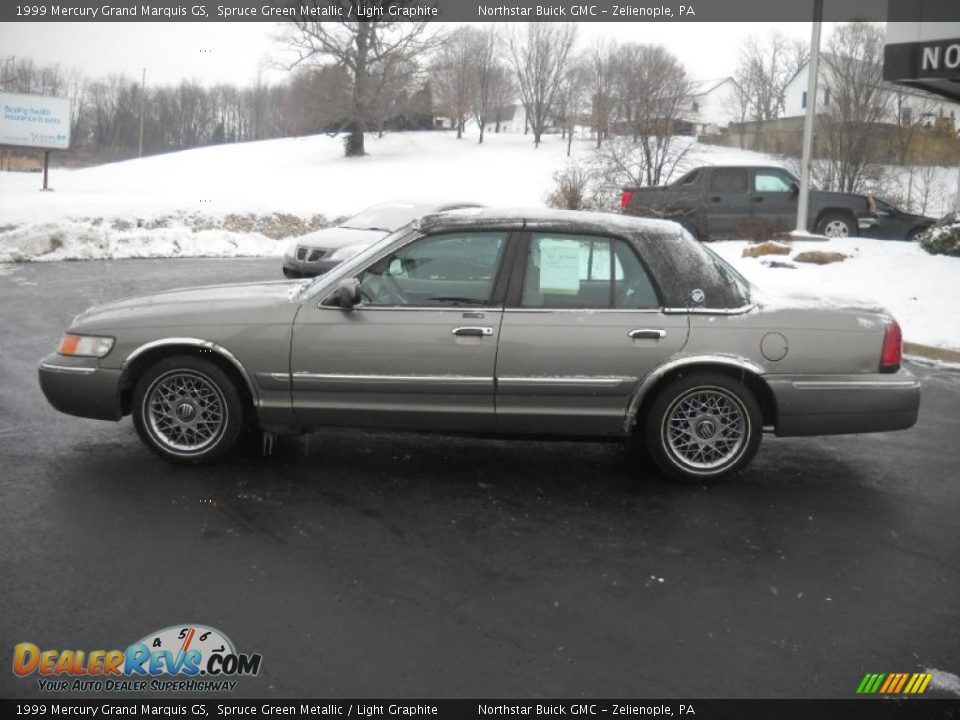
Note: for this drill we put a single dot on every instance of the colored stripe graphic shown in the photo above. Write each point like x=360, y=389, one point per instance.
x=894, y=683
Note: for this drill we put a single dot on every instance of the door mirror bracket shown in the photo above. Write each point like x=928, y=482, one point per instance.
x=347, y=294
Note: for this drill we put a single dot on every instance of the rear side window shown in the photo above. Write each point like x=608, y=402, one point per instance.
x=732, y=180
x=581, y=271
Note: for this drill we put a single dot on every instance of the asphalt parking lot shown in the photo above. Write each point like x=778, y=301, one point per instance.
x=388, y=565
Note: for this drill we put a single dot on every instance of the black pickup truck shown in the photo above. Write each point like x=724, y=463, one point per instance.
x=731, y=201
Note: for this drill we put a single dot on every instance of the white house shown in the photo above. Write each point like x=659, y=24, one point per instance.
x=711, y=104
x=513, y=119
x=906, y=105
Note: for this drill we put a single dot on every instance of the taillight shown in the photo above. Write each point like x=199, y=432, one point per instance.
x=892, y=348
x=625, y=198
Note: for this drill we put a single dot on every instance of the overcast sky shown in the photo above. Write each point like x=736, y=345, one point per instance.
x=235, y=52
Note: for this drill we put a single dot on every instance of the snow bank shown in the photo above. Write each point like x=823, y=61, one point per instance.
x=921, y=290
x=71, y=240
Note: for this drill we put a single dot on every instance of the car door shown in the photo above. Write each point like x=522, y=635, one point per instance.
x=583, y=325
x=727, y=202
x=774, y=200
x=418, y=351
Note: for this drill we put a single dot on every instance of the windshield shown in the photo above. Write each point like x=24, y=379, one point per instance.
x=385, y=217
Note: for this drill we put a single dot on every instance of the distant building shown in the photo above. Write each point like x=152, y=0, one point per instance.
x=907, y=105
x=710, y=106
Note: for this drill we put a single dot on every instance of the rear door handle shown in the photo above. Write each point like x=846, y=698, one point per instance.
x=647, y=334
x=472, y=331
x=715, y=199
x=758, y=198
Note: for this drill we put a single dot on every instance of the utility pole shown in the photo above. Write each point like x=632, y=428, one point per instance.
x=143, y=100
x=803, y=204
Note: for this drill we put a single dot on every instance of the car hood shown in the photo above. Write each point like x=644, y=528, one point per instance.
x=212, y=303
x=338, y=237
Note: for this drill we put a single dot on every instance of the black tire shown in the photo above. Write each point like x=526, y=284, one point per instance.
x=722, y=451
x=837, y=224
x=291, y=274
x=187, y=410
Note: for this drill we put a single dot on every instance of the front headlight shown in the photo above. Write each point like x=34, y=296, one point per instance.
x=85, y=345
x=345, y=253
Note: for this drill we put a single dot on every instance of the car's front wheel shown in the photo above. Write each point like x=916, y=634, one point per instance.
x=187, y=410
x=703, y=428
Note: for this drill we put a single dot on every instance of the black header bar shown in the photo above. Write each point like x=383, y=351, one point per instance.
x=586, y=709
x=452, y=10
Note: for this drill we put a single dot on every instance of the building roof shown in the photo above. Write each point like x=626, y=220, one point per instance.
x=703, y=87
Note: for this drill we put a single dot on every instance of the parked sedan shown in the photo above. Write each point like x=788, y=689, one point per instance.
x=509, y=323
x=319, y=251
x=895, y=224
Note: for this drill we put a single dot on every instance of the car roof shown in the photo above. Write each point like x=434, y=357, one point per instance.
x=577, y=221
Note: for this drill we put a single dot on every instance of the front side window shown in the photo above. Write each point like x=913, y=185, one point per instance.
x=440, y=270
x=580, y=271
x=772, y=181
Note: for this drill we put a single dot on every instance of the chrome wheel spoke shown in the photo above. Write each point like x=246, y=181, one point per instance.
x=706, y=428
x=185, y=411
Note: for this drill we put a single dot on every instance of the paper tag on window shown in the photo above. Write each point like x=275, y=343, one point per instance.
x=560, y=267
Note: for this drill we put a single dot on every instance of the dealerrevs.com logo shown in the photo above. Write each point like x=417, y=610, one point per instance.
x=187, y=658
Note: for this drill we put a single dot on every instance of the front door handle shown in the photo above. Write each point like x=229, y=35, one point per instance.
x=647, y=334
x=472, y=331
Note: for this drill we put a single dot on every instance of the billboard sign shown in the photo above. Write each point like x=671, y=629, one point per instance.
x=34, y=121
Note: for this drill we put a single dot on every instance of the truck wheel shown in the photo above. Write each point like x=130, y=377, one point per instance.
x=836, y=225
x=703, y=428
x=187, y=410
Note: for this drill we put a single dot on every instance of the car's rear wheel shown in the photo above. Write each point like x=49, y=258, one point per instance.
x=187, y=410
x=836, y=225
x=703, y=428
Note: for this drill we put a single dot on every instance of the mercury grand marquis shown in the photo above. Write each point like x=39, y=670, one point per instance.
x=502, y=323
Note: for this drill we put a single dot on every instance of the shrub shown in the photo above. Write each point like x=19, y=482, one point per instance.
x=942, y=238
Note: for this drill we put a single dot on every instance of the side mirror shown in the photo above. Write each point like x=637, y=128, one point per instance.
x=794, y=188
x=348, y=293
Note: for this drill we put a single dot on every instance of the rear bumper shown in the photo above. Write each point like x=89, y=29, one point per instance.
x=842, y=404
x=79, y=386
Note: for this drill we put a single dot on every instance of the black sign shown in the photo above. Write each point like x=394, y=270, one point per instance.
x=927, y=60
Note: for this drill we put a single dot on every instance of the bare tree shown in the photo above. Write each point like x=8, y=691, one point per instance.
x=662, y=82
x=453, y=75
x=573, y=94
x=540, y=52
x=603, y=65
x=360, y=47
x=503, y=92
x=765, y=69
x=858, y=102
x=487, y=72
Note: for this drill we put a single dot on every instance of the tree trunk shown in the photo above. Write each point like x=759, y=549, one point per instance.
x=569, y=140
x=480, y=141
x=354, y=143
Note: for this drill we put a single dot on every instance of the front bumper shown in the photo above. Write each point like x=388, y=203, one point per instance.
x=842, y=404
x=79, y=386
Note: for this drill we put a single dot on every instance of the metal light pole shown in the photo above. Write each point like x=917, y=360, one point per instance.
x=803, y=203
x=143, y=100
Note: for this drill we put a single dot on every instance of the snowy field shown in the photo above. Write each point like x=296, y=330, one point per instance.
x=187, y=204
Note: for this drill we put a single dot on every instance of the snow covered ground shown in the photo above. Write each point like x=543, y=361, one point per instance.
x=181, y=205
